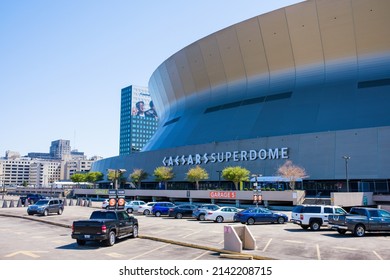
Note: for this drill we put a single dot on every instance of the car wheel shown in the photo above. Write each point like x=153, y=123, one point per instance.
x=80, y=242
x=129, y=210
x=359, y=231
x=107, y=207
x=157, y=214
x=135, y=231
x=341, y=231
x=202, y=217
x=250, y=221
x=315, y=225
x=219, y=219
x=111, y=239
x=281, y=220
x=30, y=214
x=179, y=216
x=59, y=211
x=46, y=212
x=146, y=212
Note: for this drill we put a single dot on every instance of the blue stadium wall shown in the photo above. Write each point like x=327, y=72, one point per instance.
x=309, y=82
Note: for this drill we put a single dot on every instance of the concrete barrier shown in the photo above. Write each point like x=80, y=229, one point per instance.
x=237, y=238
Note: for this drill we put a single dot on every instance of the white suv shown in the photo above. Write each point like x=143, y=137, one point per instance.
x=314, y=216
x=133, y=205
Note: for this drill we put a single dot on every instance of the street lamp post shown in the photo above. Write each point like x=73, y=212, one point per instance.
x=3, y=185
x=219, y=178
x=346, y=158
x=257, y=189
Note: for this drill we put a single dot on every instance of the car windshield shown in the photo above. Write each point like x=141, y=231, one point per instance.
x=42, y=202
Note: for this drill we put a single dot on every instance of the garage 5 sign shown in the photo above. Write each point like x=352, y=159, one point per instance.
x=235, y=156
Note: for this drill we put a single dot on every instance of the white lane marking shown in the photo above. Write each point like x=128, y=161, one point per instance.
x=318, y=252
x=376, y=254
x=268, y=243
x=151, y=251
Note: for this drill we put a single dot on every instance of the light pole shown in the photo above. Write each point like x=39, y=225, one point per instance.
x=117, y=174
x=257, y=189
x=219, y=178
x=3, y=185
x=346, y=158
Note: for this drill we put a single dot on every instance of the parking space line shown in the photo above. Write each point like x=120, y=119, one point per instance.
x=151, y=251
x=185, y=236
x=201, y=255
x=115, y=255
x=268, y=243
x=293, y=241
x=318, y=252
x=376, y=254
x=346, y=248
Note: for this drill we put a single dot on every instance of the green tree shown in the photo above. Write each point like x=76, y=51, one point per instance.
x=116, y=176
x=196, y=174
x=138, y=176
x=291, y=172
x=93, y=177
x=236, y=174
x=78, y=178
x=164, y=174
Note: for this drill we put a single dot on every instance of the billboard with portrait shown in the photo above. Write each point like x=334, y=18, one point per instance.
x=142, y=104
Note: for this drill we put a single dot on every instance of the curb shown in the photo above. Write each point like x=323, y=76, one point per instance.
x=207, y=248
x=225, y=253
x=37, y=220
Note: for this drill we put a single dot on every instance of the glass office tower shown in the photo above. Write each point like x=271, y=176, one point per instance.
x=138, y=119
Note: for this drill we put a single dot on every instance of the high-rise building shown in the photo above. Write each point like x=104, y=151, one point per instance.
x=60, y=148
x=138, y=120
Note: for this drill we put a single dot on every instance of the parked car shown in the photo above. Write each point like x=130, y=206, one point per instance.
x=254, y=215
x=46, y=206
x=360, y=220
x=133, y=205
x=180, y=211
x=162, y=208
x=31, y=198
x=105, y=204
x=314, y=216
x=106, y=226
x=202, y=210
x=223, y=214
x=146, y=209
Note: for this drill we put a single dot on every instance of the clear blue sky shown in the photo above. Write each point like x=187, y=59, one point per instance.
x=64, y=62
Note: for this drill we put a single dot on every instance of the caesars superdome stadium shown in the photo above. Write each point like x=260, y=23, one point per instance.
x=309, y=83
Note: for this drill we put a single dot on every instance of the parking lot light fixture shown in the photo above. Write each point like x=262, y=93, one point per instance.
x=346, y=158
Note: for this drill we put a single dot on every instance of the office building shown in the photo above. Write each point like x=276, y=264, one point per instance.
x=138, y=121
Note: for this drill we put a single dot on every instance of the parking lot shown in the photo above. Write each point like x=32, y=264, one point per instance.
x=273, y=241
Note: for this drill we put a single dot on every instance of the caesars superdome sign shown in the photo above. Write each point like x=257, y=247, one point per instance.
x=234, y=156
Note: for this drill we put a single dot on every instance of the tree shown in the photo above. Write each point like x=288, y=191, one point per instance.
x=163, y=174
x=138, y=176
x=196, y=174
x=236, y=174
x=291, y=172
x=78, y=177
x=93, y=177
x=116, y=176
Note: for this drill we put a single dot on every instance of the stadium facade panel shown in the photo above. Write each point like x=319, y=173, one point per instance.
x=313, y=78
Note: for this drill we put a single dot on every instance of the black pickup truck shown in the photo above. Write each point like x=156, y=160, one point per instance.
x=105, y=226
x=360, y=220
